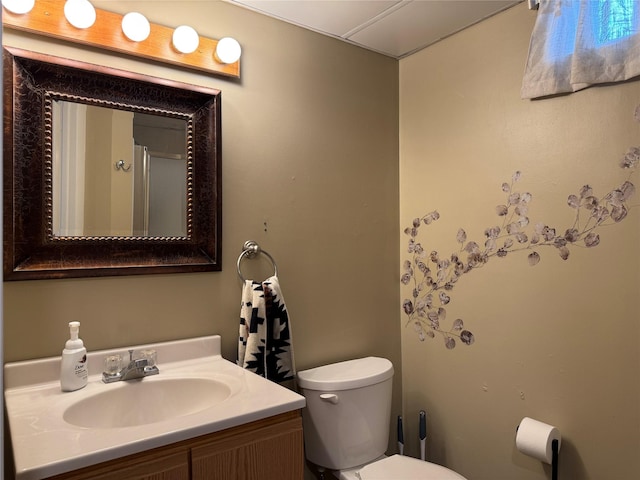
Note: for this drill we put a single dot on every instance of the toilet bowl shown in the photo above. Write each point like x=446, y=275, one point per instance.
x=398, y=467
x=346, y=423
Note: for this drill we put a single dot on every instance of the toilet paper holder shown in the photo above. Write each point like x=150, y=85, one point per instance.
x=554, y=460
x=555, y=449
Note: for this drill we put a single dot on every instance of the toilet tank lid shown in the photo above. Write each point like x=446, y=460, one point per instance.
x=407, y=468
x=357, y=373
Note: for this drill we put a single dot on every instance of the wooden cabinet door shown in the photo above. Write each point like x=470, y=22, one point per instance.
x=155, y=465
x=265, y=450
x=279, y=456
x=269, y=449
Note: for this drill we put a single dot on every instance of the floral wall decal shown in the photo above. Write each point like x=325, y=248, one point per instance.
x=433, y=277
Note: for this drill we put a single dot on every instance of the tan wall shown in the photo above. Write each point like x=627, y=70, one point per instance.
x=121, y=181
x=558, y=341
x=97, y=198
x=310, y=171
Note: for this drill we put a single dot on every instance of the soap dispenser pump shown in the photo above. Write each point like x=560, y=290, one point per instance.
x=73, y=367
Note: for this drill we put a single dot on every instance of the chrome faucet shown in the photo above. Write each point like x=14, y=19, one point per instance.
x=134, y=369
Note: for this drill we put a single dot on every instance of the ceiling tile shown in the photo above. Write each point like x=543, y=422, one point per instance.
x=395, y=28
x=335, y=17
x=421, y=23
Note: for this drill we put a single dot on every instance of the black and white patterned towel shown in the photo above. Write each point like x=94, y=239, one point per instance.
x=265, y=346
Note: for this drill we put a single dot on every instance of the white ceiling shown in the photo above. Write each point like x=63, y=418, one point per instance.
x=396, y=28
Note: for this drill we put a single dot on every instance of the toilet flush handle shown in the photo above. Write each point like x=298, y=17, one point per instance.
x=330, y=397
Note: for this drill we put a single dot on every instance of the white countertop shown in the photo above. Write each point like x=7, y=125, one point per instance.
x=45, y=445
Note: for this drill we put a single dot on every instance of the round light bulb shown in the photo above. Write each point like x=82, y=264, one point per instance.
x=18, y=7
x=185, y=39
x=228, y=50
x=80, y=13
x=135, y=26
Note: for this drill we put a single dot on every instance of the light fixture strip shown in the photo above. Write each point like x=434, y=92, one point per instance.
x=47, y=18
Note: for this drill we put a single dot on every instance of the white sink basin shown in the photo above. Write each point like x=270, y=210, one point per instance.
x=197, y=392
x=149, y=400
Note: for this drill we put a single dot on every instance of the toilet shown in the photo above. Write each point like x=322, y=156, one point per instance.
x=346, y=423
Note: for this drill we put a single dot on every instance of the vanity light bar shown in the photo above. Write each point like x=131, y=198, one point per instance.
x=47, y=18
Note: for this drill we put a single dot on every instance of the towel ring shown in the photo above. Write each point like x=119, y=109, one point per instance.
x=250, y=250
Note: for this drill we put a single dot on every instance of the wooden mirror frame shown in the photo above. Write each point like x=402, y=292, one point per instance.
x=31, y=250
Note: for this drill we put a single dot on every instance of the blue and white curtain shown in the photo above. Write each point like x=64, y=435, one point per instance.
x=578, y=43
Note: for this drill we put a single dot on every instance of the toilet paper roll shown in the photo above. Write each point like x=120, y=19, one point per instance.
x=534, y=438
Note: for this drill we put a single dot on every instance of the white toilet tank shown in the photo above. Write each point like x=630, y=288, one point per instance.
x=346, y=422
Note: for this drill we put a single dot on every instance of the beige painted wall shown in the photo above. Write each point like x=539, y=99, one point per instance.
x=121, y=181
x=108, y=192
x=558, y=341
x=97, y=191
x=310, y=171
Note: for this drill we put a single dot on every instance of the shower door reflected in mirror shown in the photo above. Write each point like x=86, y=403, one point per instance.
x=117, y=173
x=159, y=201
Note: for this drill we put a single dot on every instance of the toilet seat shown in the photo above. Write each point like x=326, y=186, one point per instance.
x=398, y=467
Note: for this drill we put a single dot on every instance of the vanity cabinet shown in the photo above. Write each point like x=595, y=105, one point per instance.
x=269, y=449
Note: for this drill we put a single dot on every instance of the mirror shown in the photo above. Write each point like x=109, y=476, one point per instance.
x=117, y=172
x=107, y=172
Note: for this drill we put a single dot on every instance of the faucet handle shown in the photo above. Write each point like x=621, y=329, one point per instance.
x=131, y=355
x=150, y=355
x=112, y=364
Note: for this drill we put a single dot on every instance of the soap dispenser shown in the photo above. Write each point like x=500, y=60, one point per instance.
x=73, y=367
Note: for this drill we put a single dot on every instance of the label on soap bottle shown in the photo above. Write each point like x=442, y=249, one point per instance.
x=80, y=369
